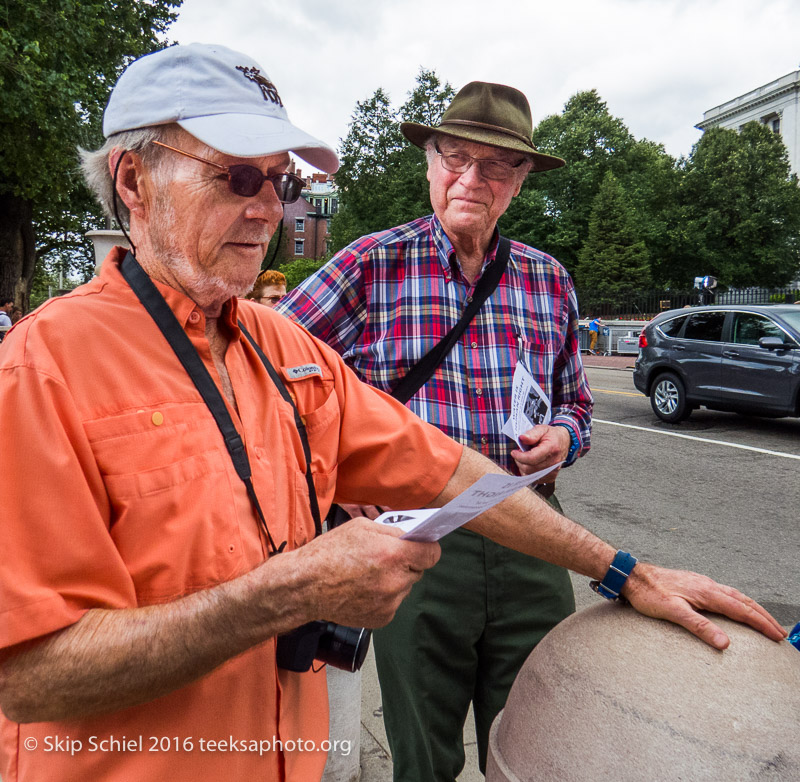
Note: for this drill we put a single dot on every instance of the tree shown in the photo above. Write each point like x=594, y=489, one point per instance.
x=58, y=62
x=382, y=180
x=613, y=261
x=740, y=210
x=300, y=268
x=364, y=172
x=594, y=143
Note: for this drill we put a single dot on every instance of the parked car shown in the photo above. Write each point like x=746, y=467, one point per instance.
x=744, y=358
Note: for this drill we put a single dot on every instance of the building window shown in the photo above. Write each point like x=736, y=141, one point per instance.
x=299, y=224
x=298, y=246
x=772, y=121
x=334, y=205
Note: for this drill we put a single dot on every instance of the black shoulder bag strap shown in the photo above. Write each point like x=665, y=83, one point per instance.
x=166, y=321
x=423, y=370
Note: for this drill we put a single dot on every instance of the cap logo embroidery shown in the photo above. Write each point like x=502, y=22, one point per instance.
x=268, y=89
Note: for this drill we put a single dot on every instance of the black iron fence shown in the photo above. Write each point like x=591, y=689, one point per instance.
x=647, y=305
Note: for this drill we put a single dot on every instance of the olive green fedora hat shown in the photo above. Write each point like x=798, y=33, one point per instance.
x=491, y=114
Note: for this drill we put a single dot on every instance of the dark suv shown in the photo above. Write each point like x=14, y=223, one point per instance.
x=738, y=357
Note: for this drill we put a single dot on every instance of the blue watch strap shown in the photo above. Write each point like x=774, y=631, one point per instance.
x=574, y=444
x=615, y=578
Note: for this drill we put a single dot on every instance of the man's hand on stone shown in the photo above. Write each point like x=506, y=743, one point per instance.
x=678, y=595
x=548, y=445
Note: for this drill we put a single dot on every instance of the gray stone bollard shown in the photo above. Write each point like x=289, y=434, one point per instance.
x=611, y=694
x=344, y=697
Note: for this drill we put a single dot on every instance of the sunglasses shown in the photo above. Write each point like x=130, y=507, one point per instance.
x=247, y=181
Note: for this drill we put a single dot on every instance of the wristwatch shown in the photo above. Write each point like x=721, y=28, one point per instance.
x=574, y=444
x=621, y=567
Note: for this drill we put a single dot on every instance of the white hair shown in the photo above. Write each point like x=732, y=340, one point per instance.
x=96, y=170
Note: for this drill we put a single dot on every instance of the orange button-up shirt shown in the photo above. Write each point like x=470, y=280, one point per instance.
x=118, y=492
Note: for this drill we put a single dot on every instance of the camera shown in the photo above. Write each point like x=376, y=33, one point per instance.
x=337, y=645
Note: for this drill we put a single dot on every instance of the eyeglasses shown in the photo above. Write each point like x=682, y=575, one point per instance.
x=459, y=163
x=247, y=181
x=269, y=299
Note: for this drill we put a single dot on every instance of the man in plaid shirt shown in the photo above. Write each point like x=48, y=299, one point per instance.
x=383, y=303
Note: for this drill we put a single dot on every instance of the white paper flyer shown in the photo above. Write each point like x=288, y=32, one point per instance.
x=529, y=406
x=431, y=524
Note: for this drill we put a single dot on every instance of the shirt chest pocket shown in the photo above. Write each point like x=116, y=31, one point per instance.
x=537, y=354
x=168, y=478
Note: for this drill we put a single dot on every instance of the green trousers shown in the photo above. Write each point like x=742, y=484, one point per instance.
x=461, y=635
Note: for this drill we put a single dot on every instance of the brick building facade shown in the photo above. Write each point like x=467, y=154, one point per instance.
x=306, y=222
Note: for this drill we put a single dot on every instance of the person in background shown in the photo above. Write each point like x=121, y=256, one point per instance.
x=269, y=289
x=594, y=332
x=6, y=308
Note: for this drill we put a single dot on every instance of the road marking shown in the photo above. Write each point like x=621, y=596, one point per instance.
x=699, y=439
x=622, y=393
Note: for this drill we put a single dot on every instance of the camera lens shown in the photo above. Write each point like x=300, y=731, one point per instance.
x=344, y=647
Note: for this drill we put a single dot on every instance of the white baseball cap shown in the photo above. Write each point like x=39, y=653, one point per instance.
x=222, y=97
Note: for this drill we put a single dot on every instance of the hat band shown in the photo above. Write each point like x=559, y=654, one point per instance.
x=486, y=126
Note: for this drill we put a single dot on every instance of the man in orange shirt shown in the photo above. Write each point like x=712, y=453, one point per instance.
x=145, y=577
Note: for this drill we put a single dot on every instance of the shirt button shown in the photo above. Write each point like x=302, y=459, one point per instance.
x=474, y=345
x=194, y=317
x=469, y=299
x=479, y=391
x=484, y=440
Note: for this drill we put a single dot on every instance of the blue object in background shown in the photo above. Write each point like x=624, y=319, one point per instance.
x=794, y=637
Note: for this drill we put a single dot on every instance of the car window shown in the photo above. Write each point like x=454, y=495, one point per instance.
x=793, y=318
x=748, y=328
x=705, y=325
x=671, y=327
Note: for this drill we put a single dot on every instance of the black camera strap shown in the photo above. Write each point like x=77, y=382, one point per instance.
x=180, y=343
x=423, y=370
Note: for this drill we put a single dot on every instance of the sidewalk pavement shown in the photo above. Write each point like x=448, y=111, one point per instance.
x=608, y=362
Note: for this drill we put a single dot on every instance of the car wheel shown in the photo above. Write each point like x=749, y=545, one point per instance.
x=668, y=398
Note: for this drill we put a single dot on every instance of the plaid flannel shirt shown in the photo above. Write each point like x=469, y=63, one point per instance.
x=385, y=300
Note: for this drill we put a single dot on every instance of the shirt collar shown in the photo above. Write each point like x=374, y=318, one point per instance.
x=447, y=254
x=180, y=304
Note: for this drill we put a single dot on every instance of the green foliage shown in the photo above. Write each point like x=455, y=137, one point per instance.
x=740, y=210
x=613, y=261
x=296, y=271
x=382, y=180
x=58, y=62
x=730, y=210
x=594, y=143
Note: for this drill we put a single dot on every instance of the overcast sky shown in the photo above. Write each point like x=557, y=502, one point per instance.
x=658, y=64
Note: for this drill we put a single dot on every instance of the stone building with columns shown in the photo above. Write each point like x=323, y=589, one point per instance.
x=776, y=105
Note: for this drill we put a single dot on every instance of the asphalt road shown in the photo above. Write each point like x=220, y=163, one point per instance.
x=723, y=499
